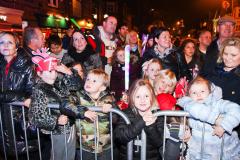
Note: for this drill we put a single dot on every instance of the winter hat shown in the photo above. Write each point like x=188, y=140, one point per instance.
x=166, y=101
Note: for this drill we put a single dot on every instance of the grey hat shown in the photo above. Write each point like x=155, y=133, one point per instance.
x=226, y=18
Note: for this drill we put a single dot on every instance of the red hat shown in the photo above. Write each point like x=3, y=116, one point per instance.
x=43, y=61
x=166, y=101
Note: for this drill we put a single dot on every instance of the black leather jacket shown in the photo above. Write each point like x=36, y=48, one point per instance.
x=16, y=85
x=172, y=60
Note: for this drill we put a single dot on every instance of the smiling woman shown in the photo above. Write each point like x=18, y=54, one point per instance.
x=227, y=72
x=82, y=52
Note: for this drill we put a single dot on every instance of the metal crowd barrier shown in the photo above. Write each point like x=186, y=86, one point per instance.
x=55, y=106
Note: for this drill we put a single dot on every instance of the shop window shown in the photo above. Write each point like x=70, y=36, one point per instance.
x=53, y=3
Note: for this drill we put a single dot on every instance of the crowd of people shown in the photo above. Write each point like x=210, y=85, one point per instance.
x=88, y=68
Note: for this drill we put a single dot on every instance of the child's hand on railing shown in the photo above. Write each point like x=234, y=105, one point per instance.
x=106, y=108
x=149, y=118
x=91, y=115
x=62, y=119
x=27, y=102
x=218, y=131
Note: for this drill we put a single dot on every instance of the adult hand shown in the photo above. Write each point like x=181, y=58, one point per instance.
x=63, y=69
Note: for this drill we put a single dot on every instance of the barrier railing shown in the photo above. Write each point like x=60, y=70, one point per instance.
x=143, y=142
x=19, y=105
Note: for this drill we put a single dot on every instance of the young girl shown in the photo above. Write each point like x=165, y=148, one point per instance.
x=45, y=92
x=165, y=82
x=205, y=105
x=142, y=103
x=164, y=85
x=151, y=69
x=117, y=83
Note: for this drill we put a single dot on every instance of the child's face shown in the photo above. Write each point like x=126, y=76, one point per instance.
x=79, y=69
x=121, y=57
x=199, y=92
x=55, y=49
x=94, y=84
x=153, y=71
x=142, y=99
x=163, y=86
x=48, y=77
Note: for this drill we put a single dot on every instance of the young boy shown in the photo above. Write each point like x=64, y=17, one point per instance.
x=55, y=45
x=95, y=94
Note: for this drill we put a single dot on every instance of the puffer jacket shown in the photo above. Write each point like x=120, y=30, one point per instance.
x=171, y=59
x=204, y=115
x=124, y=133
x=44, y=94
x=88, y=127
x=16, y=85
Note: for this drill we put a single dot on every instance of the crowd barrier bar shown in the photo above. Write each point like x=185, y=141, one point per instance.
x=55, y=106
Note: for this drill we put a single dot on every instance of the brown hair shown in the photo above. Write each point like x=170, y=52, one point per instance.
x=134, y=88
x=199, y=80
x=114, y=57
x=101, y=73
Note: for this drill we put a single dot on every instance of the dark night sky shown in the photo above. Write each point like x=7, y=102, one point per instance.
x=192, y=11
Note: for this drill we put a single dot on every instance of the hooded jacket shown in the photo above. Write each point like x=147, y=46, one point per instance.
x=204, y=115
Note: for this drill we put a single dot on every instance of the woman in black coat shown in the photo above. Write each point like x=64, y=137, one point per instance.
x=81, y=51
x=227, y=72
x=167, y=54
x=16, y=80
x=140, y=114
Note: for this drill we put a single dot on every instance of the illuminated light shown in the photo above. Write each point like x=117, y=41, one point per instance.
x=95, y=16
x=62, y=23
x=82, y=23
x=204, y=24
x=189, y=35
x=105, y=15
x=50, y=21
x=89, y=25
x=58, y=16
x=67, y=18
x=74, y=22
x=3, y=17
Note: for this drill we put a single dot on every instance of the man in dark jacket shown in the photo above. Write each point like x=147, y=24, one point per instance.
x=33, y=39
x=225, y=29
